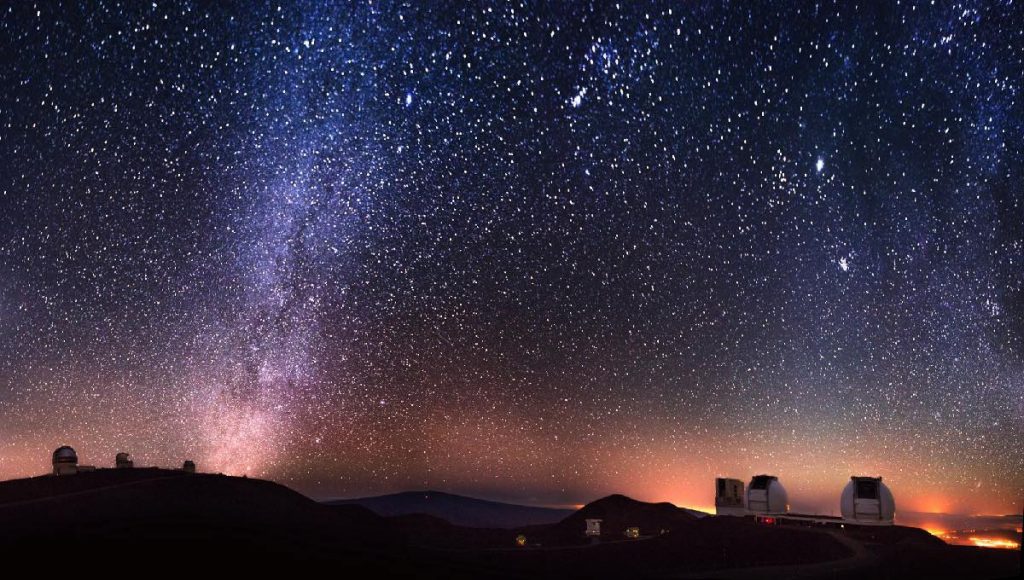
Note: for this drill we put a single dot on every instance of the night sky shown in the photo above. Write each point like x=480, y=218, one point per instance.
x=533, y=252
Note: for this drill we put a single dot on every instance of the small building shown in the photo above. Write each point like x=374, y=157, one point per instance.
x=593, y=527
x=729, y=497
x=767, y=496
x=65, y=461
x=632, y=532
x=520, y=540
x=123, y=461
x=189, y=466
x=867, y=500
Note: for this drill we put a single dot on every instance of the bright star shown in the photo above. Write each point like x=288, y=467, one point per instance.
x=820, y=164
x=577, y=99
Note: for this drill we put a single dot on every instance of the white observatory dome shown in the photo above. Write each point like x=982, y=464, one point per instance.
x=767, y=496
x=867, y=500
x=65, y=454
x=65, y=461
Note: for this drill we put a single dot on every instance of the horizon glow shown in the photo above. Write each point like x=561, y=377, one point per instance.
x=538, y=256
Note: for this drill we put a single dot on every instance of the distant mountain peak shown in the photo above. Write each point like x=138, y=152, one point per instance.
x=458, y=509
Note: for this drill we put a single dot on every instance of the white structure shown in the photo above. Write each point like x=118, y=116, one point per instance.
x=65, y=461
x=866, y=500
x=767, y=496
x=594, y=527
x=123, y=461
x=729, y=497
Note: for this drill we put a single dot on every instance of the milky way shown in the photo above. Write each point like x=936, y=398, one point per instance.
x=539, y=252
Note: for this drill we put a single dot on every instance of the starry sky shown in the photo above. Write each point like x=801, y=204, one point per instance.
x=538, y=252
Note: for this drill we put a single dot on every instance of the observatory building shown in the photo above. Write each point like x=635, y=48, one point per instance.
x=65, y=461
x=123, y=461
x=767, y=496
x=729, y=497
x=866, y=500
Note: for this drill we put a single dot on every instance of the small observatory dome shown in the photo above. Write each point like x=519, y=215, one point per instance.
x=867, y=500
x=189, y=466
x=123, y=460
x=65, y=461
x=767, y=496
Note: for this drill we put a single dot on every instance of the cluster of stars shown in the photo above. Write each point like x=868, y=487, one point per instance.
x=535, y=254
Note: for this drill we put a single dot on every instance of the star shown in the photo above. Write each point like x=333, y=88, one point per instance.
x=518, y=249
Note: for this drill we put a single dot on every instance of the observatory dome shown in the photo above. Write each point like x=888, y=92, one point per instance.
x=65, y=454
x=867, y=500
x=123, y=460
x=65, y=461
x=767, y=496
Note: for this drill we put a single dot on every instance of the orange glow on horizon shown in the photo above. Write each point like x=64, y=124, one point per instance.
x=708, y=509
x=994, y=543
x=930, y=504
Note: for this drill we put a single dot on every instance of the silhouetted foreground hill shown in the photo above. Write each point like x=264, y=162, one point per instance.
x=618, y=512
x=459, y=510
x=141, y=514
x=163, y=519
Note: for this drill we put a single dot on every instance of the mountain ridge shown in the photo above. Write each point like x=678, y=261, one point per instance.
x=457, y=509
x=153, y=516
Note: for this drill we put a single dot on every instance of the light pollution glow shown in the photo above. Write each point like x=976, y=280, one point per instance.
x=994, y=543
x=331, y=246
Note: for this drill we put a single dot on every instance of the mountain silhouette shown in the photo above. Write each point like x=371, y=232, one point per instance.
x=457, y=509
x=157, y=517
